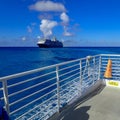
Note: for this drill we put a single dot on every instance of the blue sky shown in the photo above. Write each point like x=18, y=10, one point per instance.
x=76, y=22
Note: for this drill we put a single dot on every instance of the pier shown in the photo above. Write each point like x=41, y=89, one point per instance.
x=102, y=104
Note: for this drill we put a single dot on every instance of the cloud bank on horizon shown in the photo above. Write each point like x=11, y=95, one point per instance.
x=47, y=25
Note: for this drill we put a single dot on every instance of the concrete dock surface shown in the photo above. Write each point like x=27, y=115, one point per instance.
x=104, y=104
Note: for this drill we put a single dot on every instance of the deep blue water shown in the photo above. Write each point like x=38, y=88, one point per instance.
x=14, y=60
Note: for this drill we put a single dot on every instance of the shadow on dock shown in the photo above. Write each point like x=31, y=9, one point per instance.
x=75, y=111
x=79, y=114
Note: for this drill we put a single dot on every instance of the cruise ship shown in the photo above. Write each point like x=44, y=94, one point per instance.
x=48, y=43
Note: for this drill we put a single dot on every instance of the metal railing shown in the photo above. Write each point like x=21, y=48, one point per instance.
x=39, y=93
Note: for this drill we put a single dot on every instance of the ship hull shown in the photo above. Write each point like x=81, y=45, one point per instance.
x=48, y=43
x=49, y=46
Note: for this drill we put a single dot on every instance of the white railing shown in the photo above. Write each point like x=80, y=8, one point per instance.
x=39, y=93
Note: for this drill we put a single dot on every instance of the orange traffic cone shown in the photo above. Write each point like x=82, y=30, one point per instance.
x=108, y=72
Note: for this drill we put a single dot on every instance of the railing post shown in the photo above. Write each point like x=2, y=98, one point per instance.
x=81, y=76
x=93, y=71
x=58, y=87
x=88, y=63
x=5, y=93
x=99, y=72
x=87, y=66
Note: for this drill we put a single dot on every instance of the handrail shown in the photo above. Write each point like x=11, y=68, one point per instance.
x=32, y=102
x=110, y=55
x=69, y=77
x=25, y=73
x=35, y=70
x=68, y=67
x=31, y=94
x=38, y=70
x=69, y=82
x=69, y=72
x=76, y=70
x=35, y=107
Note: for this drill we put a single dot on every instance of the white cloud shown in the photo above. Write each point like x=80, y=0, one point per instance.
x=66, y=33
x=47, y=6
x=65, y=21
x=29, y=29
x=33, y=24
x=64, y=17
x=38, y=37
x=47, y=26
x=45, y=16
x=23, y=38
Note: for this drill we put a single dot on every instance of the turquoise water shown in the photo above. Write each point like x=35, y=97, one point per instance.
x=14, y=60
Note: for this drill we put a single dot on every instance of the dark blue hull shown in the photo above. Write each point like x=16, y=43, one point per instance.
x=49, y=46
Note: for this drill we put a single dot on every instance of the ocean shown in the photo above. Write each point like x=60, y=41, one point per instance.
x=19, y=59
